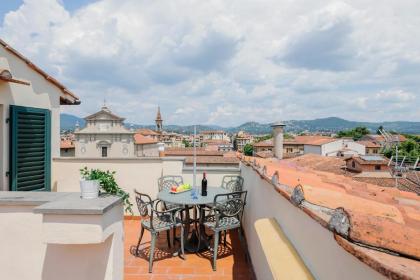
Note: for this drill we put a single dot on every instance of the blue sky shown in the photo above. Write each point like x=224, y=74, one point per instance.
x=226, y=62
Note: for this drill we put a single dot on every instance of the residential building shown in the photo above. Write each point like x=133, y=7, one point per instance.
x=214, y=135
x=30, y=101
x=371, y=147
x=379, y=139
x=148, y=133
x=172, y=139
x=241, y=139
x=104, y=136
x=218, y=145
x=67, y=148
x=367, y=163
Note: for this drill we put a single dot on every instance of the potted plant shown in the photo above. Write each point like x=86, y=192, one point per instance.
x=105, y=184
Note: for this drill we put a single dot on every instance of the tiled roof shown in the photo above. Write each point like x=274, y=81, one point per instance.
x=380, y=138
x=369, y=144
x=375, y=160
x=66, y=144
x=315, y=140
x=146, y=132
x=65, y=91
x=190, y=152
x=212, y=160
x=140, y=139
x=384, y=222
x=216, y=142
x=265, y=154
x=265, y=143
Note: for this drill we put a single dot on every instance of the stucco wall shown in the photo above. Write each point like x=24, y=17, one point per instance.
x=39, y=94
x=134, y=173
x=310, y=149
x=316, y=245
x=28, y=251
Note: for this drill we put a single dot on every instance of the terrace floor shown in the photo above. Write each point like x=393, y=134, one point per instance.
x=231, y=262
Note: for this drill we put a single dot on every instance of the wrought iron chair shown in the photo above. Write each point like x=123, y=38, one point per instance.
x=232, y=183
x=157, y=221
x=228, y=211
x=165, y=183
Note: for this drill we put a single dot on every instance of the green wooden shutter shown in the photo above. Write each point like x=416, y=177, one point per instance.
x=30, y=153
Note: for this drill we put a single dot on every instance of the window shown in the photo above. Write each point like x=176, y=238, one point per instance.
x=104, y=151
x=353, y=164
x=30, y=149
x=377, y=167
x=289, y=150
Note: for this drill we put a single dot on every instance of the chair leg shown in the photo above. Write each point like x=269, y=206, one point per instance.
x=216, y=245
x=152, y=251
x=141, y=236
x=168, y=237
x=224, y=239
x=173, y=235
x=182, y=242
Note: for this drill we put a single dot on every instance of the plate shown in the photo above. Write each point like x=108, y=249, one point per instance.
x=180, y=191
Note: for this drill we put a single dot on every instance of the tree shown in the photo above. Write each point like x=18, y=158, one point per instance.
x=248, y=150
x=355, y=133
x=186, y=143
x=380, y=128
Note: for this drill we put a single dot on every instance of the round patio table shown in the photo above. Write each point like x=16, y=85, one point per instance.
x=194, y=243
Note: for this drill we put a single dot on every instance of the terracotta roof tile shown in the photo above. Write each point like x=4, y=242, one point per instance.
x=369, y=144
x=146, y=132
x=140, y=139
x=212, y=160
x=265, y=143
x=190, y=152
x=310, y=140
x=379, y=217
x=66, y=144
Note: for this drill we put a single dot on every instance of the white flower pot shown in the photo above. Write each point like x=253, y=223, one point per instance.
x=89, y=188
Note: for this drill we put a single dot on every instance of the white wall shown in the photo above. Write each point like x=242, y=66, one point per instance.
x=28, y=251
x=134, y=173
x=316, y=245
x=310, y=149
x=40, y=94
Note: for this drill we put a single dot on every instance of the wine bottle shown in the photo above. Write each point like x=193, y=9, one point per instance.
x=204, y=185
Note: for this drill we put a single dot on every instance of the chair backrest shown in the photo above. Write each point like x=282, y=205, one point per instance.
x=232, y=183
x=166, y=182
x=144, y=204
x=230, y=204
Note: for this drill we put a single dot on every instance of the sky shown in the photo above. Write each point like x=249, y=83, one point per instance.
x=226, y=62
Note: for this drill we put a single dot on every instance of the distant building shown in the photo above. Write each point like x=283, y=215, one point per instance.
x=159, y=122
x=218, y=145
x=379, y=139
x=104, y=136
x=214, y=135
x=204, y=158
x=241, y=139
x=367, y=164
x=67, y=148
x=334, y=147
x=263, y=146
x=371, y=148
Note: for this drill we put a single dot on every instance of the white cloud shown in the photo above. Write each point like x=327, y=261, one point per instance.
x=227, y=62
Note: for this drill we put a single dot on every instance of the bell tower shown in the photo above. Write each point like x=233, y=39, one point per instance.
x=159, y=121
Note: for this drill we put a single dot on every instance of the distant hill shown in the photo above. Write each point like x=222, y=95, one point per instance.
x=331, y=124
x=68, y=122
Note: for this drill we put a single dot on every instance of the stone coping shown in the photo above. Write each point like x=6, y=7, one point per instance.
x=60, y=203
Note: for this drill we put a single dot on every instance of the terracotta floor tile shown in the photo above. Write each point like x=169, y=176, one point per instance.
x=231, y=263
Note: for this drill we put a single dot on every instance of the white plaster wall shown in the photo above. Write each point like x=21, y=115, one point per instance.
x=40, y=94
x=134, y=173
x=309, y=149
x=147, y=150
x=28, y=253
x=316, y=245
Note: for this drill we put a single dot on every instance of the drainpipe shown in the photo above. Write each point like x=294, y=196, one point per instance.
x=278, y=130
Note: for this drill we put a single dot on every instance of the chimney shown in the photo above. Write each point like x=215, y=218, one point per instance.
x=278, y=129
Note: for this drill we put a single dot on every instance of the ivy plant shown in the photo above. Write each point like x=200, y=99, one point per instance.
x=107, y=184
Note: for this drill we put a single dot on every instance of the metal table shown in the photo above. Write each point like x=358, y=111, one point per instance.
x=194, y=243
